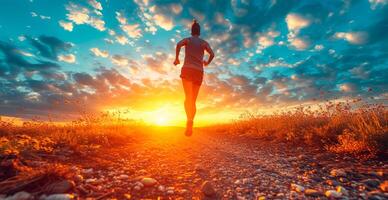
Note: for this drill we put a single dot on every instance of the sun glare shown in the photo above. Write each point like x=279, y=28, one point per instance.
x=161, y=121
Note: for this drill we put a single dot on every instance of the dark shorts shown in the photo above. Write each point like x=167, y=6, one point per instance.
x=193, y=75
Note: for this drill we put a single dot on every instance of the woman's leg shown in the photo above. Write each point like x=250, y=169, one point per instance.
x=188, y=88
x=195, y=90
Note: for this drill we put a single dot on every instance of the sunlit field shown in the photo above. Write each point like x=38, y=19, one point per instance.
x=345, y=128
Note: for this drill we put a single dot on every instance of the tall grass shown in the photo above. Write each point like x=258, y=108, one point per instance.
x=344, y=127
x=86, y=133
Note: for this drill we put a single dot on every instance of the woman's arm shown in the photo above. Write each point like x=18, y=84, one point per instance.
x=209, y=50
x=178, y=50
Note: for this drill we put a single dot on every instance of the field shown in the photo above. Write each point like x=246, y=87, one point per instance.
x=106, y=157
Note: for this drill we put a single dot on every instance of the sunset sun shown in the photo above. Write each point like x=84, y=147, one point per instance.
x=161, y=121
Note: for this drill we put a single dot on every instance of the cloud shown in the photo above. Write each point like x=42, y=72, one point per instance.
x=13, y=63
x=299, y=43
x=319, y=47
x=77, y=14
x=111, y=32
x=156, y=62
x=295, y=22
x=98, y=52
x=377, y=3
x=49, y=46
x=95, y=4
x=69, y=58
x=122, y=39
x=163, y=21
x=109, y=41
x=158, y=15
x=22, y=38
x=347, y=87
x=220, y=19
x=43, y=17
x=266, y=39
x=176, y=8
x=24, y=53
x=84, y=79
x=353, y=37
x=82, y=15
x=120, y=18
x=66, y=25
x=119, y=60
x=132, y=30
x=274, y=63
x=97, y=23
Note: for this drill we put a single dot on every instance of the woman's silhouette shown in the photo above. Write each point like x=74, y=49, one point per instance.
x=192, y=70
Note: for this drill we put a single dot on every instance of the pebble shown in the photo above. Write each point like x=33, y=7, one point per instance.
x=338, y=173
x=161, y=188
x=61, y=187
x=78, y=178
x=207, y=189
x=374, y=183
x=332, y=182
x=280, y=195
x=139, y=184
x=246, y=180
x=59, y=197
x=375, y=196
x=87, y=171
x=332, y=194
x=293, y=195
x=91, y=180
x=128, y=196
x=290, y=159
x=123, y=177
x=384, y=186
x=342, y=191
x=297, y=187
x=20, y=196
x=149, y=182
x=303, y=157
x=137, y=187
x=170, y=192
x=183, y=191
x=312, y=193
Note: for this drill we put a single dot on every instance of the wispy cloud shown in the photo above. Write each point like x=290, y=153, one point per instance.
x=66, y=25
x=100, y=53
x=82, y=15
x=69, y=58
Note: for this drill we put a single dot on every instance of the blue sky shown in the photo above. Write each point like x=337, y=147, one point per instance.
x=61, y=57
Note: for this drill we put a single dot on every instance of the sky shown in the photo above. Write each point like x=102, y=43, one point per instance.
x=61, y=59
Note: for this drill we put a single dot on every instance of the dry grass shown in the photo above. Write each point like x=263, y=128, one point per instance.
x=87, y=133
x=344, y=127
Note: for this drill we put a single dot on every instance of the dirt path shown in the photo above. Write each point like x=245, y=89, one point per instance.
x=235, y=169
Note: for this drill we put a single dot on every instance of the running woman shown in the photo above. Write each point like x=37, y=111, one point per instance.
x=192, y=70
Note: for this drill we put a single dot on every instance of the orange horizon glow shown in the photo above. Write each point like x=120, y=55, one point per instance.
x=169, y=112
